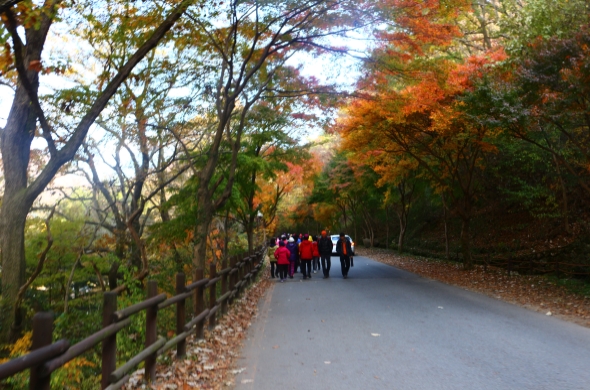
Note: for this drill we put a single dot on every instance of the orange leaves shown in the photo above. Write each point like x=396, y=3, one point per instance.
x=421, y=24
x=410, y=115
x=462, y=77
x=424, y=96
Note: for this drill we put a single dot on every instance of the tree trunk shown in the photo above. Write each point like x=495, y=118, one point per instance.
x=15, y=144
x=250, y=233
x=204, y=218
x=386, y=227
x=466, y=243
x=12, y=245
x=447, y=252
x=565, y=211
x=403, y=223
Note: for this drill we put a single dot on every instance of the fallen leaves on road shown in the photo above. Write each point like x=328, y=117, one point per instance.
x=533, y=292
x=210, y=362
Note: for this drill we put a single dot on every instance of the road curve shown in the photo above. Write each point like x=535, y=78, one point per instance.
x=384, y=328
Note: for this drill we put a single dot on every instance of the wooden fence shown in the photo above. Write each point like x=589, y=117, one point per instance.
x=45, y=356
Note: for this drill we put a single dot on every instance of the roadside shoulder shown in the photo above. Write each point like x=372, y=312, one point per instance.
x=533, y=292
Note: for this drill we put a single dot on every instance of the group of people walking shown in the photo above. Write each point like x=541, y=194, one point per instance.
x=287, y=253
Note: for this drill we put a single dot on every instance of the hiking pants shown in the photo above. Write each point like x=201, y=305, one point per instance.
x=291, y=268
x=316, y=263
x=282, y=271
x=326, y=264
x=306, y=267
x=273, y=266
x=345, y=264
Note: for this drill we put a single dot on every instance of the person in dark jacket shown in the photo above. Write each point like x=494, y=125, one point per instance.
x=297, y=239
x=294, y=249
x=325, y=249
x=344, y=250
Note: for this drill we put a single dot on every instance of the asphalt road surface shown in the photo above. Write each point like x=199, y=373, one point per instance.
x=384, y=328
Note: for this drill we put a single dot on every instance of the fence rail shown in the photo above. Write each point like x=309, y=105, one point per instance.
x=45, y=356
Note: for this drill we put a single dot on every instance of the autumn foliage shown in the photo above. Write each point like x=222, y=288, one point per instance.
x=450, y=116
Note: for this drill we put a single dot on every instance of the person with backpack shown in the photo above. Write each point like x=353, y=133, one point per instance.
x=325, y=250
x=282, y=255
x=306, y=255
x=294, y=255
x=344, y=250
x=316, y=255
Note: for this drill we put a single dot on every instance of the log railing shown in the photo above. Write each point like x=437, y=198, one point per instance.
x=46, y=356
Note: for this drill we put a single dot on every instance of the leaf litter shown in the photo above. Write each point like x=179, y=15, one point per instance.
x=211, y=362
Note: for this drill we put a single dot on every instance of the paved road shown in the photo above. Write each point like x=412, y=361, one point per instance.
x=384, y=328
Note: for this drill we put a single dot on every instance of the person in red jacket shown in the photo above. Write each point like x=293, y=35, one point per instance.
x=316, y=255
x=282, y=255
x=306, y=254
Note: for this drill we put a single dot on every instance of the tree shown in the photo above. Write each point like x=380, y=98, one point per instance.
x=424, y=122
x=138, y=127
x=542, y=99
x=252, y=44
x=17, y=136
x=266, y=149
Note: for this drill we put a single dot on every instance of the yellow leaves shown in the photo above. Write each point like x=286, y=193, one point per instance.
x=22, y=346
x=72, y=372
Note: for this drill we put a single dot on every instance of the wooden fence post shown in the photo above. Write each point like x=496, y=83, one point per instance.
x=151, y=320
x=109, y=344
x=42, y=336
x=180, y=314
x=224, y=286
x=240, y=275
x=212, y=294
x=232, y=276
x=199, y=302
